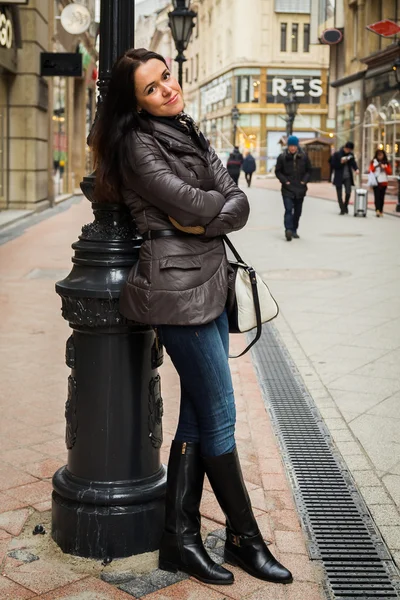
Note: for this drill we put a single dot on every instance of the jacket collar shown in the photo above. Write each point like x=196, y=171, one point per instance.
x=175, y=139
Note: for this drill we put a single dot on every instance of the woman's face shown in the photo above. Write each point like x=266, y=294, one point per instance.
x=157, y=92
x=379, y=155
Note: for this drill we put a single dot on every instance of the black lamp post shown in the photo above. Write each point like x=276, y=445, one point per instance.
x=235, y=115
x=108, y=501
x=181, y=24
x=291, y=105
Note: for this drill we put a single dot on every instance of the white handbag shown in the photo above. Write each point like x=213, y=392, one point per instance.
x=249, y=303
x=372, y=180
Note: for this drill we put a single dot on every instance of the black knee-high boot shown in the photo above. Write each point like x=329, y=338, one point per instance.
x=244, y=544
x=181, y=544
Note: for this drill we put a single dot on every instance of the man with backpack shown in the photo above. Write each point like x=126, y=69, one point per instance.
x=234, y=164
x=293, y=169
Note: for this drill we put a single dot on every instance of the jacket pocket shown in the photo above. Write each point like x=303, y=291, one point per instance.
x=180, y=262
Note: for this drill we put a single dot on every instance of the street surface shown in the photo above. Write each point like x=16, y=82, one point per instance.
x=338, y=288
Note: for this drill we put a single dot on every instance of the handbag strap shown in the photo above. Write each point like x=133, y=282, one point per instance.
x=254, y=290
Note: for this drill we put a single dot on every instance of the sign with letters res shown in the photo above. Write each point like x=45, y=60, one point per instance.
x=302, y=87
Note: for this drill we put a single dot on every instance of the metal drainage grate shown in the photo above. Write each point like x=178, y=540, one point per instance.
x=340, y=530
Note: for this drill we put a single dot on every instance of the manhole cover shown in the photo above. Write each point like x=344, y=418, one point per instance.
x=302, y=274
x=349, y=235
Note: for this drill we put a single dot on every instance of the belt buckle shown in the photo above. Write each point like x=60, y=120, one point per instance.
x=235, y=539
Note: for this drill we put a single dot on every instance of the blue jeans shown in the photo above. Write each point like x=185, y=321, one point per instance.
x=293, y=208
x=207, y=411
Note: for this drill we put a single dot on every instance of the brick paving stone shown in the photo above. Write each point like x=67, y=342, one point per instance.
x=9, y=590
x=304, y=591
x=43, y=576
x=257, y=498
x=11, y=477
x=21, y=456
x=14, y=521
x=45, y=468
x=4, y=535
x=42, y=506
x=8, y=502
x=187, y=590
x=275, y=482
x=279, y=500
x=272, y=591
x=33, y=492
x=285, y=520
x=244, y=585
x=291, y=542
x=301, y=567
x=271, y=465
x=86, y=589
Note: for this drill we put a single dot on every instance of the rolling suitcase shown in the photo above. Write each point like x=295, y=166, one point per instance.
x=360, y=201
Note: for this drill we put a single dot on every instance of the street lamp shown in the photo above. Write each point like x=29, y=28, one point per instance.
x=108, y=501
x=235, y=116
x=291, y=105
x=181, y=23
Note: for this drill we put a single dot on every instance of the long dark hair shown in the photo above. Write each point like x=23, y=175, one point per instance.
x=116, y=117
x=385, y=158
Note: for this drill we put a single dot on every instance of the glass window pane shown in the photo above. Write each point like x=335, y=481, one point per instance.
x=295, y=36
x=306, y=37
x=283, y=37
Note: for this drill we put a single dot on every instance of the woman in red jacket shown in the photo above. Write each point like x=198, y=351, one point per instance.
x=381, y=168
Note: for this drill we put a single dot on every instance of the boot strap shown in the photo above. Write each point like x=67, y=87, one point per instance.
x=242, y=540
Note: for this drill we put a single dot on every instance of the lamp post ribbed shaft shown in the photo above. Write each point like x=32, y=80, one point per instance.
x=108, y=501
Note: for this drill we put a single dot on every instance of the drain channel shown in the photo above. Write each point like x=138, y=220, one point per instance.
x=341, y=533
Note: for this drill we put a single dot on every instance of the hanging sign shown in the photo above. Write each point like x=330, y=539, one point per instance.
x=6, y=31
x=61, y=64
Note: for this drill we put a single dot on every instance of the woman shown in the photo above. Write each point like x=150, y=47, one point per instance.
x=381, y=168
x=152, y=153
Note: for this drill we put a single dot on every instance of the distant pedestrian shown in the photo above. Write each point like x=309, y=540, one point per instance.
x=234, y=164
x=380, y=168
x=344, y=163
x=249, y=166
x=293, y=169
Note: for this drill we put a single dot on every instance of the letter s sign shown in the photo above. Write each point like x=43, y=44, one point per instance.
x=315, y=88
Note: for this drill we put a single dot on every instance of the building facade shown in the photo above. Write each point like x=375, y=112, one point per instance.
x=246, y=58
x=43, y=120
x=365, y=92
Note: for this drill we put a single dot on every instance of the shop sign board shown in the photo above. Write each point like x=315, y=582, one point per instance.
x=6, y=31
x=303, y=87
x=217, y=93
x=61, y=64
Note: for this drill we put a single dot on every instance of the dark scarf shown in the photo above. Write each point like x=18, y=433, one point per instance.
x=183, y=123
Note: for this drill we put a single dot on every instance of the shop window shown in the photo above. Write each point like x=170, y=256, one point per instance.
x=295, y=37
x=186, y=75
x=247, y=88
x=306, y=37
x=197, y=67
x=283, y=37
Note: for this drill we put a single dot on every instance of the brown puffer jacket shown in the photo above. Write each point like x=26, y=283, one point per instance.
x=179, y=280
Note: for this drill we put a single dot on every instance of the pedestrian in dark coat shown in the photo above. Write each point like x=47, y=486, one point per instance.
x=293, y=169
x=234, y=164
x=248, y=167
x=344, y=163
x=150, y=154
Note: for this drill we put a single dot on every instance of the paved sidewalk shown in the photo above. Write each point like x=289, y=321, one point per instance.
x=338, y=288
x=324, y=191
x=32, y=429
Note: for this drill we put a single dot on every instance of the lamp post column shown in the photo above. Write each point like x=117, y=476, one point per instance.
x=108, y=501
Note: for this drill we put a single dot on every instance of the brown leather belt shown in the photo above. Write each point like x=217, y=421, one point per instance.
x=154, y=234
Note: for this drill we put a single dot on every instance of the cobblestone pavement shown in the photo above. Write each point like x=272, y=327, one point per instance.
x=338, y=288
x=34, y=378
